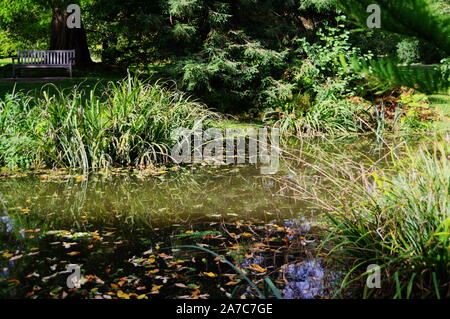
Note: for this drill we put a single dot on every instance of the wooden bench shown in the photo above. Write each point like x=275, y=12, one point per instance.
x=57, y=59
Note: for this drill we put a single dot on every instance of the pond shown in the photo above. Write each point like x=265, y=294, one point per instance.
x=123, y=230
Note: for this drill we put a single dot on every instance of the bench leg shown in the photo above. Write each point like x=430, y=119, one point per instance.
x=70, y=71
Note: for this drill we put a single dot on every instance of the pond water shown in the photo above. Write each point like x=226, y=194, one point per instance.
x=124, y=229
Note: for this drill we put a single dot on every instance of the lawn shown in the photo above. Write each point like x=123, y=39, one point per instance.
x=5, y=61
x=87, y=79
x=441, y=103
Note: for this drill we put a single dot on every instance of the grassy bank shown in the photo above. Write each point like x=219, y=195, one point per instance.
x=402, y=225
x=128, y=123
x=394, y=213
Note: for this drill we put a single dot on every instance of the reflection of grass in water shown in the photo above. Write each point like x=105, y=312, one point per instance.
x=129, y=202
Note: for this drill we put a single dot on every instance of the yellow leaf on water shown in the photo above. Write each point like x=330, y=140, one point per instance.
x=123, y=295
x=257, y=268
x=142, y=297
x=155, y=289
x=151, y=272
x=210, y=274
x=7, y=255
x=231, y=283
x=247, y=235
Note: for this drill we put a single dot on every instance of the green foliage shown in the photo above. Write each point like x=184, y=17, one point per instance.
x=423, y=19
x=426, y=79
x=230, y=59
x=320, y=71
x=396, y=17
x=17, y=149
x=413, y=50
x=408, y=51
x=234, y=73
x=130, y=124
x=402, y=225
x=316, y=100
x=9, y=46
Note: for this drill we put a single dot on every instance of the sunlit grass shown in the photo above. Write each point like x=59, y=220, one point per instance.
x=128, y=123
x=395, y=215
x=5, y=61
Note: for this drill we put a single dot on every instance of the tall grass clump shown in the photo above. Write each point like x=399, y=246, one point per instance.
x=403, y=225
x=130, y=123
x=18, y=121
x=393, y=212
x=324, y=117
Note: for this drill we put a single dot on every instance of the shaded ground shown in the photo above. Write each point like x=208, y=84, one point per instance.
x=31, y=80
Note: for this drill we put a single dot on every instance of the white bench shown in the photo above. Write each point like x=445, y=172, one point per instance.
x=57, y=59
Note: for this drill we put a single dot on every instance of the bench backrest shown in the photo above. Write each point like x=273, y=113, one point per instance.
x=47, y=57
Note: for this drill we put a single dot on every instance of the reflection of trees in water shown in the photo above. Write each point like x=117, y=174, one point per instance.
x=128, y=201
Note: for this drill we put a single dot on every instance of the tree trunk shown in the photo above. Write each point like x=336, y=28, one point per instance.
x=63, y=38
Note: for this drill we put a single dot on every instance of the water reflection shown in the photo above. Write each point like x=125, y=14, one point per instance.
x=132, y=213
x=305, y=281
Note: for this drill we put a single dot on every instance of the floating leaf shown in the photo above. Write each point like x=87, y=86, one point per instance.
x=73, y=253
x=231, y=283
x=15, y=257
x=155, y=289
x=152, y=272
x=257, y=268
x=123, y=295
x=180, y=285
x=7, y=255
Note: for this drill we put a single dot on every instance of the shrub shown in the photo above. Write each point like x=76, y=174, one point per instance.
x=408, y=51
